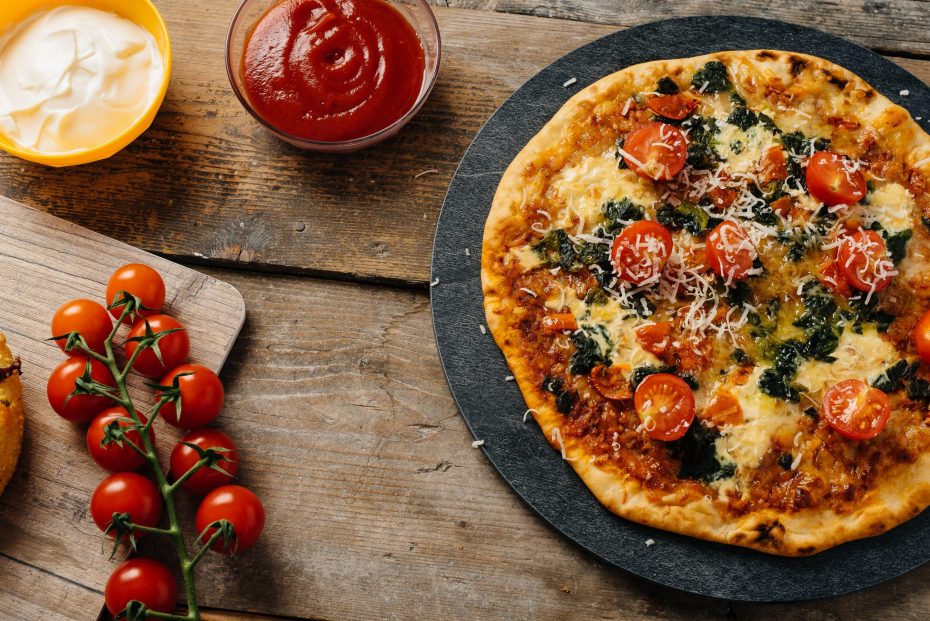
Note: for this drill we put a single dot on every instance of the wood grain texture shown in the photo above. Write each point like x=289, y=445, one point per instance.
x=378, y=506
x=208, y=185
x=887, y=26
x=49, y=547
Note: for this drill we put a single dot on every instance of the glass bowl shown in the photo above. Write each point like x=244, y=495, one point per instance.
x=417, y=12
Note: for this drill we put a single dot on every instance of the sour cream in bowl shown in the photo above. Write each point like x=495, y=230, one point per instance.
x=78, y=83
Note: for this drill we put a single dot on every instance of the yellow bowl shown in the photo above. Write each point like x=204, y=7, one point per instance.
x=142, y=12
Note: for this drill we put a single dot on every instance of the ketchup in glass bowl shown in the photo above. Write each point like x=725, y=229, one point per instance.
x=333, y=75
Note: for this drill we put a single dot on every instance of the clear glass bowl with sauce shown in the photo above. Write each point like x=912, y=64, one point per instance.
x=248, y=18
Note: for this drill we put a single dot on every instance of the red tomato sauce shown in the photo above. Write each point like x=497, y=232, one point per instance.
x=330, y=70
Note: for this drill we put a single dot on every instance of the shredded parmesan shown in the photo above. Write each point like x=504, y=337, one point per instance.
x=569, y=82
x=477, y=443
x=557, y=437
x=482, y=328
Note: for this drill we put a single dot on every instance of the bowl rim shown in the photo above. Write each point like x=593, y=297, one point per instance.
x=124, y=138
x=339, y=145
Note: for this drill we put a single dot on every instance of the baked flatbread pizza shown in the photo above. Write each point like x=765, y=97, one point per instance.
x=11, y=413
x=710, y=278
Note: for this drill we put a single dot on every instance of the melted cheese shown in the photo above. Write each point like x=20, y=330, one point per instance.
x=526, y=256
x=858, y=356
x=893, y=206
x=765, y=418
x=590, y=183
x=753, y=143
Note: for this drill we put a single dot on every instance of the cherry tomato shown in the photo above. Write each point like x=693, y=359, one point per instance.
x=206, y=479
x=641, y=251
x=174, y=348
x=142, y=580
x=675, y=107
x=656, y=151
x=559, y=322
x=61, y=383
x=238, y=506
x=863, y=261
x=87, y=318
x=921, y=335
x=730, y=251
x=113, y=457
x=665, y=404
x=202, y=397
x=126, y=492
x=141, y=281
x=855, y=409
x=834, y=180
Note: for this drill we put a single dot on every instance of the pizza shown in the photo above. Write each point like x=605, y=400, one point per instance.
x=710, y=278
x=11, y=413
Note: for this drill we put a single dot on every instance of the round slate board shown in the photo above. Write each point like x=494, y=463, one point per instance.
x=493, y=407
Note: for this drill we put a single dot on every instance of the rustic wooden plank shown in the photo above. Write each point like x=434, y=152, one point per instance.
x=208, y=185
x=890, y=27
x=378, y=505
x=48, y=544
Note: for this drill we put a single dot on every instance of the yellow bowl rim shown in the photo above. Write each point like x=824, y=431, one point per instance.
x=121, y=141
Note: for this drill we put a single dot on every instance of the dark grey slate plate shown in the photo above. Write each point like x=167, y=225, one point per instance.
x=493, y=408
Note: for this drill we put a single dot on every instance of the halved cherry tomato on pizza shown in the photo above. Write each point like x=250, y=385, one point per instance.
x=774, y=165
x=675, y=107
x=656, y=151
x=116, y=457
x=856, y=410
x=63, y=382
x=655, y=337
x=828, y=273
x=834, y=179
x=730, y=252
x=174, y=348
x=921, y=336
x=141, y=281
x=141, y=580
x=665, y=404
x=641, y=251
x=864, y=262
x=559, y=322
x=87, y=318
x=610, y=383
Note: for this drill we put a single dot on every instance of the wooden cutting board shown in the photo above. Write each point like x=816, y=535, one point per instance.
x=44, y=262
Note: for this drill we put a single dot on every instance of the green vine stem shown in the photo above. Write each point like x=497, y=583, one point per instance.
x=187, y=562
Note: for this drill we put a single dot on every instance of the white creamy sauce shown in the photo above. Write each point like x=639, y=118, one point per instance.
x=74, y=78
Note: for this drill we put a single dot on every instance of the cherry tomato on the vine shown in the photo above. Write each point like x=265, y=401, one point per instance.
x=863, y=260
x=834, y=179
x=114, y=457
x=142, y=580
x=87, y=318
x=183, y=458
x=641, y=251
x=665, y=404
x=126, y=492
x=202, y=397
x=241, y=508
x=921, y=336
x=141, y=281
x=61, y=383
x=856, y=410
x=656, y=151
x=730, y=251
x=174, y=347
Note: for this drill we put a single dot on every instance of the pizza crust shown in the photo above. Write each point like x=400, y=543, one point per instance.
x=899, y=497
x=11, y=414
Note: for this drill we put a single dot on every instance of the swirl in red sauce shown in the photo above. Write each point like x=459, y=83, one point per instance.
x=329, y=70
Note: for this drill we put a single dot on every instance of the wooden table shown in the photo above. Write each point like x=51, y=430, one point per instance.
x=378, y=505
